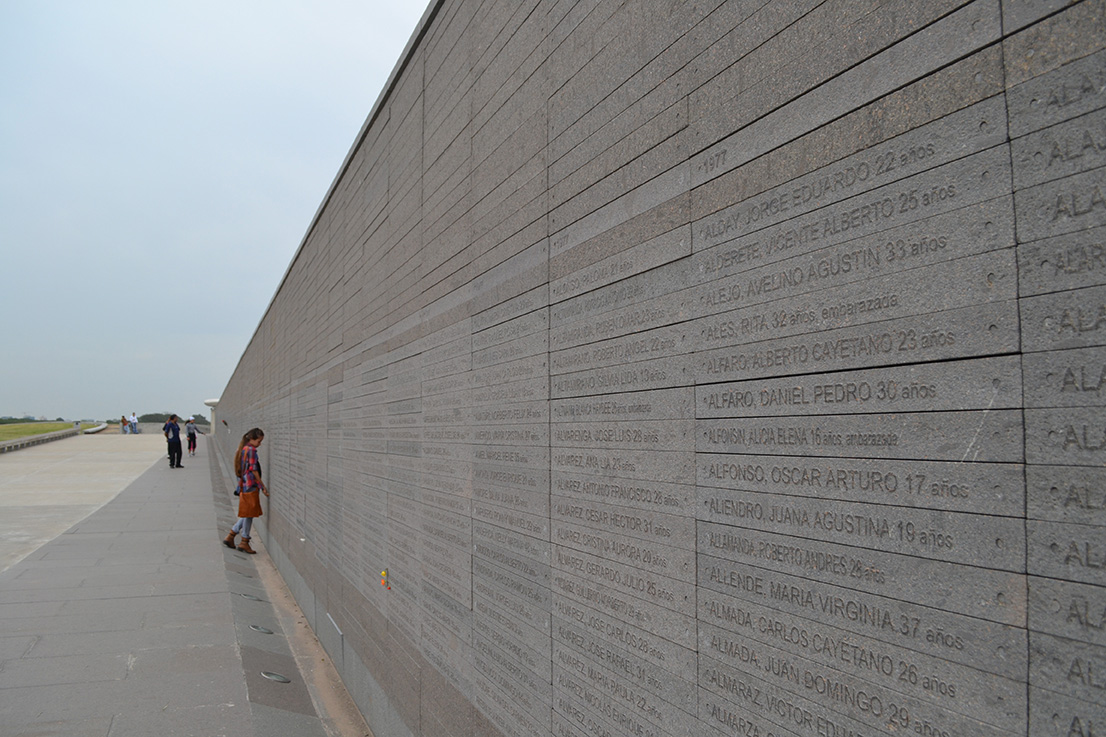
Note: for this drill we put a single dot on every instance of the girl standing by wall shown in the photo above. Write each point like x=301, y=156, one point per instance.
x=250, y=486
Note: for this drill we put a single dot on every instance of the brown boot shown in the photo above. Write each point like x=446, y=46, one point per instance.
x=229, y=539
x=244, y=546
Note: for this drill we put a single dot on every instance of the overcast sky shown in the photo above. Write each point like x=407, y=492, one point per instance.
x=159, y=164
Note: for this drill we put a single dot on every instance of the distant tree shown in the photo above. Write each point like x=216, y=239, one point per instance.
x=161, y=417
x=14, y=420
x=60, y=419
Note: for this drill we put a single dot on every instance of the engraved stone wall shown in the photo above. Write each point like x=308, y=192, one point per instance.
x=706, y=368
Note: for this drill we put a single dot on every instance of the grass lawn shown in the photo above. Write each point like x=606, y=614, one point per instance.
x=25, y=429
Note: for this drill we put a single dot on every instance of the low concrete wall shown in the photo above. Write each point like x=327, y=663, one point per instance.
x=9, y=445
x=705, y=368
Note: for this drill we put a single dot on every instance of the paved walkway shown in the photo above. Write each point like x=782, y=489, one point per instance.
x=46, y=489
x=122, y=615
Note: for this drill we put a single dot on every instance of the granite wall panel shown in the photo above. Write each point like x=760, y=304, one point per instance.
x=706, y=368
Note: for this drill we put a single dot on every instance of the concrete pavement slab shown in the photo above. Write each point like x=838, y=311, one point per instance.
x=127, y=621
x=46, y=489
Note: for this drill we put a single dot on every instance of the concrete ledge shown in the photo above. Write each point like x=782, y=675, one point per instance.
x=10, y=445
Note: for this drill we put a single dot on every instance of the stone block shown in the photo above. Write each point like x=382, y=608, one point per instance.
x=511, y=413
x=570, y=721
x=967, y=539
x=534, y=344
x=507, y=667
x=636, y=259
x=647, y=345
x=527, y=600
x=752, y=620
x=1053, y=715
x=531, y=367
x=579, y=251
x=488, y=460
x=617, y=702
x=604, y=165
x=983, y=278
x=960, y=183
x=939, y=142
x=639, y=657
x=520, y=435
x=655, y=192
x=512, y=330
x=946, y=485
x=1063, y=150
x=729, y=279
x=655, y=524
x=1064, y=262
x=1072, y=90
x=974, y=78
x=623, y=294
x=737, y=700
x=648, y=406
x=644, y=435
x=943, y=42
x=1072, y=319
x=1074, y=611
x=978, y=592
x=1065, y=551
x=1066, y=494
x=627, y=546
x=1055, y=41
x=654, y=614
x=536, y=387
x=510, y=518
x=1070, y=668
x=449, y=668
x=1070, y=436
x=1072, y=378
x=518, y=558
x=657, y=468
x=986, y=383
x=934, y=631
x=656, y=589
x=1017, y=14
x=981, y=330
x=646, y=375
x=583, y=482
x=502, y=491
x=511, y=308
x=992, y=436
x=503, y=709
x=969, y=704
x=449, y=575
x=1061, y=206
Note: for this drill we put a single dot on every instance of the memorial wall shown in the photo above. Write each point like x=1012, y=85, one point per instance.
x=706, y=368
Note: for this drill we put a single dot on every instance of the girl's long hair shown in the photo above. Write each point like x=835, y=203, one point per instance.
x=254, y=434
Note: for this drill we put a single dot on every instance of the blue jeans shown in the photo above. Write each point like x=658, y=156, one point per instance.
x=243, y=526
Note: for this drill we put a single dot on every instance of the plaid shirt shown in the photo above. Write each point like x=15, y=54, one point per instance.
x=251, y=469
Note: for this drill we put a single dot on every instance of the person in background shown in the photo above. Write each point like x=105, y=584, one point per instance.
x=134, y=423
x=190, y=430
x=123, y=425
x=172, y=434
x=247, y=468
